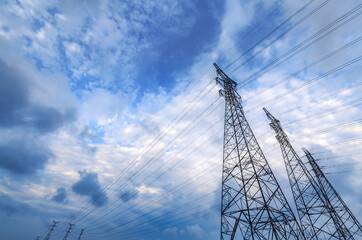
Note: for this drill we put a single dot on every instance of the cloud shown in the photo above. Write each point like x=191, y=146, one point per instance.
x=88, y=185
x=127, y=195
x=99, y=48
x=27, y=114
x=172, y=230
x=195, y=231
x=48, y=119
x=60, y=196
x=23, y=156
x=14, y=95
x=9, y=206
x=17, y=109
x=90, y=41
x=237, y=16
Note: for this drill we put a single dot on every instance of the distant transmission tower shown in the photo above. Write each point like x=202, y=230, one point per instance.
x=253, y=205
x=318, y=216
x=81, y=233
x=328, y=191
x=68, y=231
x=52, y=227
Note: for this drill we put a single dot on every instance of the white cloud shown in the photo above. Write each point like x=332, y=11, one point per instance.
x=148, y=190
x=172, y=230
x=124, y=130
x=195, y=231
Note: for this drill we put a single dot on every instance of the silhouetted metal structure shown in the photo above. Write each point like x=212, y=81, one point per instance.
x=319, y=218
x=350, y=221
x=68, y=231
x=81, y=233
x=253, y=205
x=52, y=227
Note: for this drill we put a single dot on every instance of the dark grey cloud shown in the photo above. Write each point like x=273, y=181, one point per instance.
x=127, y=195
x=60, y=196
x=9, y=206
x=14, y=95
x=23, y=123
x=88, y=185
x=48, y=119
x=16, y=109
x=23, y=156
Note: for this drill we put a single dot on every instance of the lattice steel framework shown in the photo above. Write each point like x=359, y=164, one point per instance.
x=68, y=231
x=52, y=228
x=318, y=217
x=253, y=205
x=81, y=233
x=350, y=221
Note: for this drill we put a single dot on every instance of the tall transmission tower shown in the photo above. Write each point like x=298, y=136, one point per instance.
x=328, y=191
x=253, y=205
x=318, y=216
x=68, y=231
x=52, y=227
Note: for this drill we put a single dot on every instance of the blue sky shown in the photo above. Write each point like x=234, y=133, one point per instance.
x=86, y=87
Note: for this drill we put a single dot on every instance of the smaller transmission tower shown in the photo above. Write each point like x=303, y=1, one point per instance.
x=318, y=216
x=52, y=227
x=81, y=233
x=68, y=231
x=328, y=191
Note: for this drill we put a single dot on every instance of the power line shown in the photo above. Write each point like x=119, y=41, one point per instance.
x=273, y=31
x=253, y=28
x=323, y=97
x=325, y=130
x=170, y=168
x=177, y=119
x=152, y=160
x=305, y=43
x=349, y=104
x=313, y=80
x=349, y=44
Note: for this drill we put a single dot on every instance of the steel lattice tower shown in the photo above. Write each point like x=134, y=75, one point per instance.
x=328, y=191
x=68, y=231
x=253, y=205
x=52, y=228
x=81, y=233
x=318, y=217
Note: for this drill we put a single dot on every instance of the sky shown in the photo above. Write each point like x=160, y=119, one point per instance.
x=111, y=119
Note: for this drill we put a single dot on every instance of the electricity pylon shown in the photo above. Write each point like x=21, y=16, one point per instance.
x=68, y=231
x=52, y=227
x=328, y=191
x=253, y=205
x=81, y=233
x=318, y=217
